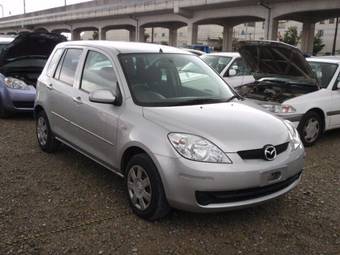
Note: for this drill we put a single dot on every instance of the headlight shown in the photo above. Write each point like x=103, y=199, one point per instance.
x=294, y=135
x=197, y=148
x=15, y=83
x=278, y=108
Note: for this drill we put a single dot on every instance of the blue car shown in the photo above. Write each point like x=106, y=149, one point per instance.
x=21, y=63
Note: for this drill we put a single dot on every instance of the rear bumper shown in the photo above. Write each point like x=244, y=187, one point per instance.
x=17, y=100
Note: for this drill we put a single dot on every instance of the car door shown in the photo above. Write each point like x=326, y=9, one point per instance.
x=96, y=123
x=334, y=114
x=61, y=93
x=241, y=75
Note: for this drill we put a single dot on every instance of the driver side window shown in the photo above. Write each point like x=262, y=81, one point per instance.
x=98, y=73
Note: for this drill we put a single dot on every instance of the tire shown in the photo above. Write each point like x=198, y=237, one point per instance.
x=3, y=112
x=45, y=136
x=310, y=128
x=145, y=189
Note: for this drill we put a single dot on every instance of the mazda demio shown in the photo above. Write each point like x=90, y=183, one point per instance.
x=165, y=121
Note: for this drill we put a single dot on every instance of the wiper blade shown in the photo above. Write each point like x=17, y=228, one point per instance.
x=200, y=101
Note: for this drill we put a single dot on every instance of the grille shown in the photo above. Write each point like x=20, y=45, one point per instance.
x=218, y=197
x=259, y=153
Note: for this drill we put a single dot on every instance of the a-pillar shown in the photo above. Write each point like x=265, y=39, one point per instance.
x=102, y=34
x=307, y=37
x=132, y=35
x=173, y=37
x=192, y=31
x=75, y=35
x=227, y=37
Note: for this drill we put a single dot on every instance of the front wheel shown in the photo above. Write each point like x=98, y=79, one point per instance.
x=145, y=189
x=45, y=136
x=310, y=128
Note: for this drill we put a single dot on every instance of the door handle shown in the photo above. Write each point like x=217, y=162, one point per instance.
x=50, y=86
x=77, y=100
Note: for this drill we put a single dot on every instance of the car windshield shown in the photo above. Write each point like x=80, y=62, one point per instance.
x=324, y=72
x=158, y=79
x=217, y=62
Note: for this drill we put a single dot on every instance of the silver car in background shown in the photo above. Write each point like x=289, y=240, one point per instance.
x=180, y=136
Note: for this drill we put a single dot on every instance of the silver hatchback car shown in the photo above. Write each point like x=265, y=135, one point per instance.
x=168, y=123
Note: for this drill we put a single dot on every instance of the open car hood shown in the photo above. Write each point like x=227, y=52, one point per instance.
x=275, y=59
x=29, y=45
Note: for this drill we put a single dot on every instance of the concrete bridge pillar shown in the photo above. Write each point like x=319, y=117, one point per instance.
x=273, y=30
x=75, y=35
x=227, y=38
x=132, y=35
x=192, y=32
x=140, y=34
x=173, y=37
x=307, y=37
x=102, y=34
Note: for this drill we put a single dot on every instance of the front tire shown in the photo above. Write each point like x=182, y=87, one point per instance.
x=310, y=128
x=144, y=188
x=3, y=112
x=45, y=136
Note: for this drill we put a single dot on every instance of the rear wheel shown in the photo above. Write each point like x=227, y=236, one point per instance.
x=310, y=128
x=145, y=190
x=45, y=136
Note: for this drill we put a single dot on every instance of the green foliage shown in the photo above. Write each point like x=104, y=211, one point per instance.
x=291, y=36
x=318, y=44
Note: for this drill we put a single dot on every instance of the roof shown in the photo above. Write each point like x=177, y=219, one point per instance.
x=325, y=59
x=127, y=47
x=225, y=54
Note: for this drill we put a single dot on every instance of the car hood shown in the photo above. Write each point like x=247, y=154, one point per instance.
x=30, y=45
x=275, y=59
x=233, y=126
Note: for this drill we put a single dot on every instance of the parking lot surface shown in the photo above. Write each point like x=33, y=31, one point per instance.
x=66, y=204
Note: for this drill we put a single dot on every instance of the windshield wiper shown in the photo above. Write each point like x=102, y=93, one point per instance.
x=200, y=101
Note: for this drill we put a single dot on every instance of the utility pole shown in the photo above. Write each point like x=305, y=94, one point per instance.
x=24, y=6
x=335, y=35
x=65, y=2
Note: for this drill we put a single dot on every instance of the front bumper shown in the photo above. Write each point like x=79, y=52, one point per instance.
x=184, y=179
x=17, y=100
x=294, y=118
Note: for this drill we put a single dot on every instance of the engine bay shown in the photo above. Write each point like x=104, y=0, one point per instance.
x=273, y=92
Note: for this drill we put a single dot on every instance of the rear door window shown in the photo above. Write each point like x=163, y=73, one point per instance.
x=69, y=66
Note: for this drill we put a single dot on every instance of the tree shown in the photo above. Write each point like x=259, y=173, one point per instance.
x=291, y=36
x=318, y=44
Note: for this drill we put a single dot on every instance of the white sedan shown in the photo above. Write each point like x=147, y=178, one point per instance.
x=304, y=92
x=230, y=66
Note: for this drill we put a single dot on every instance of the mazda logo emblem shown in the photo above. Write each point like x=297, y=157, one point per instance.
x=270, y=152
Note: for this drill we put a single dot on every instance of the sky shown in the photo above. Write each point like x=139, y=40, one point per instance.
x=13, y=7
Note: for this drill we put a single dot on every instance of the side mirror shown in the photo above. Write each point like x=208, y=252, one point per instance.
x=103, y=96
x=232, y=72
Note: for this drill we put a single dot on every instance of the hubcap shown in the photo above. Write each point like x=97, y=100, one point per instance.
x=42, y=131
x=311, y=130
x=139, y=187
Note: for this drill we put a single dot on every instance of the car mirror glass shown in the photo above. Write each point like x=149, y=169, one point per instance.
x=103, y=96
x=232, y=72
